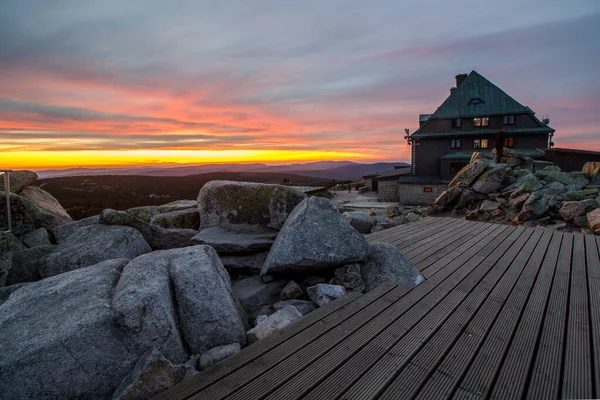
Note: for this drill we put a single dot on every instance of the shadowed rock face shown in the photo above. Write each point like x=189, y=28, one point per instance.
x=19, y=180
x=44, y=209
x=315, y=236
x=386, y=263
x=245, y=206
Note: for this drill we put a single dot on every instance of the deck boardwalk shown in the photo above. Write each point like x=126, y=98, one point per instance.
x=504, y=312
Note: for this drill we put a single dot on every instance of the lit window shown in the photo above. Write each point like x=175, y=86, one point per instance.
x=428, y=190
x=481, y=121
x=480, y=143
x=456, y=123
x=509, y=120
x=509, y=142
x=455, y=144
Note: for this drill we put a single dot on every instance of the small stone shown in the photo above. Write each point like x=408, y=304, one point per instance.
x=349, y=277
x=489, y=206
x=412, y=217
x=39, y=237
x=303, y=306
x=279, y=320
x=323, y=294
x=217, y=354
x=291, y=291
x=261, y=319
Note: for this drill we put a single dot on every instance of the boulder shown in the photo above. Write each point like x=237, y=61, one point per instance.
x=6, y=291
x=593, y=218
x=6, y=255
x=359, y=220
x=448, y=197
x=469, y=197
x=469, y=173
x=291, y=291
x=518, y=201
x=491, y=180
x=218, y=354
x=27, y=263
x=43, y=208
x=243, y=263
x=386, y=263
x=526, y=184
x=39, y=237
x=571, y=209
x=61, y=233
x=560, y=177
x=188, y=218
x=253, y=293
x=480, y=156
x=489, y=206
x=58, y=337
x=580, y=177
x=349, y=277
x=581, y=221
x=91, y=245
x=535, y=207
x=274, y=322
x=539, y=165
x=323, y=294
x=384, y=222
x=146, y=213
x=578, y=195
x=19, y=179
x=315, y=236
x=22, y=222
x=158, y=238
x=226, y=241
x=246, y=206
x=152, y=375
x=303, y=306
x=592, y=168
x=179, y=296
x=553, y=189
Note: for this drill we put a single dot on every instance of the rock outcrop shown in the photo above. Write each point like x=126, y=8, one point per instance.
x=387, y=264
x=19, y=179
x=43, y=208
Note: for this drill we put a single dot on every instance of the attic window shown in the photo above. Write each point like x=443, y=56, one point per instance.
x=456, y=123
x=475, y=101
x=509, y=120
x=481, y=121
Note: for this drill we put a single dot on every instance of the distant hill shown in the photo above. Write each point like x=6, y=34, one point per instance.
x=84, y=196
x=339, y=170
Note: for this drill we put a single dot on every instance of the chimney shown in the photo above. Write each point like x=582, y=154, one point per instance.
x=460, y=78
x=452, y=90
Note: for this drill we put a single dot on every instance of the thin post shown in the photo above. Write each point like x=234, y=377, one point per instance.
x=7, y=190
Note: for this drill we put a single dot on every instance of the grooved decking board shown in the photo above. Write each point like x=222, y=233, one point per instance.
x=457, y=360
x=415, y=311
x=512, y=379
x=479, y=378
x=593, y=273
x=318, y=319
x=547, y=369
x=412, y=248
x=412, y=229
x=408, y=382
x=577, y=373
x=422, y=234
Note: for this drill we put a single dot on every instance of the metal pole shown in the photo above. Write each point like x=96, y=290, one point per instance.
x=7, y=190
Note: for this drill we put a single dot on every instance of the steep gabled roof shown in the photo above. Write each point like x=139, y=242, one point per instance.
x=478, y=97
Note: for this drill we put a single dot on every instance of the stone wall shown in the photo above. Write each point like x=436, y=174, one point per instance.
x=387, y=190
x=419, y=194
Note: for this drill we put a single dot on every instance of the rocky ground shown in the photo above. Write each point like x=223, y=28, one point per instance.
x=128, y=303
x=520, y=190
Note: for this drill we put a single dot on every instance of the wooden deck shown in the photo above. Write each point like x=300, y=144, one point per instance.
x=504, y=312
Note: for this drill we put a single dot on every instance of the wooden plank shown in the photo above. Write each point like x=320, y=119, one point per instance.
x=449, y=316
x=593, y=274
x=512, y=379
x=546, y=373
x=577, y=372
x=421, y=250
x=379, y=340
x=260, y=386
x=401, y=231
x=318, y=320
x=422, y=234
x=408, y=382
x=439, y=235
x=457, y=360
x=480, y=376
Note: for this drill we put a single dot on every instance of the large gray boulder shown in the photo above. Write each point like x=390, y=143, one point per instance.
x=22, y=222
x=469, y=173
x=535, y=207
x=243, y=263
x=6, y=255
x=91, y=245
x=253, y=293
x=526, y=184
x=43, y=208
x=245, y=206
x=147, y=213
x=152, y=375
x=491, y=180
x=315, y=236
x=226, y=241
x=19, y=179
x=58, y=337
x=359, y=220
x=188, y=218
x=447, y=198
x=39, y=237
x=183, y=295
x=26, y=264
x=158, y=238
x=62, y=232
x=387, y=264
x=572, y=209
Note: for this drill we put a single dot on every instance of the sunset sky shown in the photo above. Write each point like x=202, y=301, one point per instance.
x=126, y=82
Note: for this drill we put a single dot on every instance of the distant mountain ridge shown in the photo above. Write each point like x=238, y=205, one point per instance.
x=338, y=170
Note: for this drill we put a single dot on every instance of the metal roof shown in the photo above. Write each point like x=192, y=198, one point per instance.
x=394, y=173
x=478, y=97
x=481, y=132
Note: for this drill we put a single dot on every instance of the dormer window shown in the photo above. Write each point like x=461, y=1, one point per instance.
x=481, y=121
x=475, y=100
x=509, y=120
x=456, y=123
